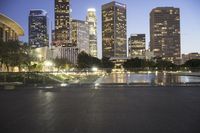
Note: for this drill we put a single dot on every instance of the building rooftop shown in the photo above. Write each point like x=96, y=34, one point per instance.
x=79, y=21
x=38, y=12
x=11, y=24
x=113, y=3
x=91, y=10
x=164, y=8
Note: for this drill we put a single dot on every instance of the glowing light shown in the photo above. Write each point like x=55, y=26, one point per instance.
x=46, y=87
x=164, y=73
x=39, y=56
x=97, y=84
x=48, y=63
x=94, y=69
x=156, y=73
x=91, y=10
x=63, y=85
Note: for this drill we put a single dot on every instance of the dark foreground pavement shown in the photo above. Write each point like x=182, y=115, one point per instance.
x=108, y=110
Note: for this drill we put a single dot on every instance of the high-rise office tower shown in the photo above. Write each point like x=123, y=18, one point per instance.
x=92, y=22
x=114, y=36
x=80, y=35
x=38, y=28
x=62, y=22
x=165, y=33
x=136, y=45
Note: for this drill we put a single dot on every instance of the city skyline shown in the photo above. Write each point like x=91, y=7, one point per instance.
x=189, y=19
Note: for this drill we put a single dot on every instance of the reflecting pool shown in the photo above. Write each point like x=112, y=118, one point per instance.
x=157, y=78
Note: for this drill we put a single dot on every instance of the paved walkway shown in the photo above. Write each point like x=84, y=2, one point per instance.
x=101, y=110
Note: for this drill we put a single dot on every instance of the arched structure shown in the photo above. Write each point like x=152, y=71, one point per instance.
x=9, y=29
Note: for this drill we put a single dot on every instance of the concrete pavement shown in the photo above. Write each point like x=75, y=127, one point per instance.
x=100, y=110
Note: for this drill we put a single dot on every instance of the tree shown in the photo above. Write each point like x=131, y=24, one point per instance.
x=10, y=50
x=164, y=64
x=94, y=62
x=106, y=63
x=87, y=61
x=13, y=54
x=194, y=63
x=83, y=60
x=25, y=57
x=60, y=63
x=150, y=63
x=134, y=63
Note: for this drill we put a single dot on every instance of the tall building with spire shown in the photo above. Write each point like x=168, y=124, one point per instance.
x=38, y=28
x=92, y=23
x=62, y=23
x=114, y=30
x=165, y=33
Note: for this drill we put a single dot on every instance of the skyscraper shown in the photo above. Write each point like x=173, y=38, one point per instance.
x=114, y=30
x=92, y=22
x=136, y=45
x=38, y=28
x=165, y=33
x=62, y=22
x=80, y=35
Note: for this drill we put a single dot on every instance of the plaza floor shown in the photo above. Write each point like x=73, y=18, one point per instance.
x=103, y=109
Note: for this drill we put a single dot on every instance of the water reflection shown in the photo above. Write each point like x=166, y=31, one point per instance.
x=117, y=78
x=45, y=106
x=164, y=79
x=140, y=78
x=157, y=78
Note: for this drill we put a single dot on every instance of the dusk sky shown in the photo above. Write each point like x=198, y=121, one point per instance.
x=137, y=16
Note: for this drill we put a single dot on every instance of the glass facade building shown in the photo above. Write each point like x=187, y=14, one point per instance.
x=92, y=23
x=80, y=35
x=38, y=28
x=114, y=30
x=165, y=33
x=62, y=22
x=136, y=45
